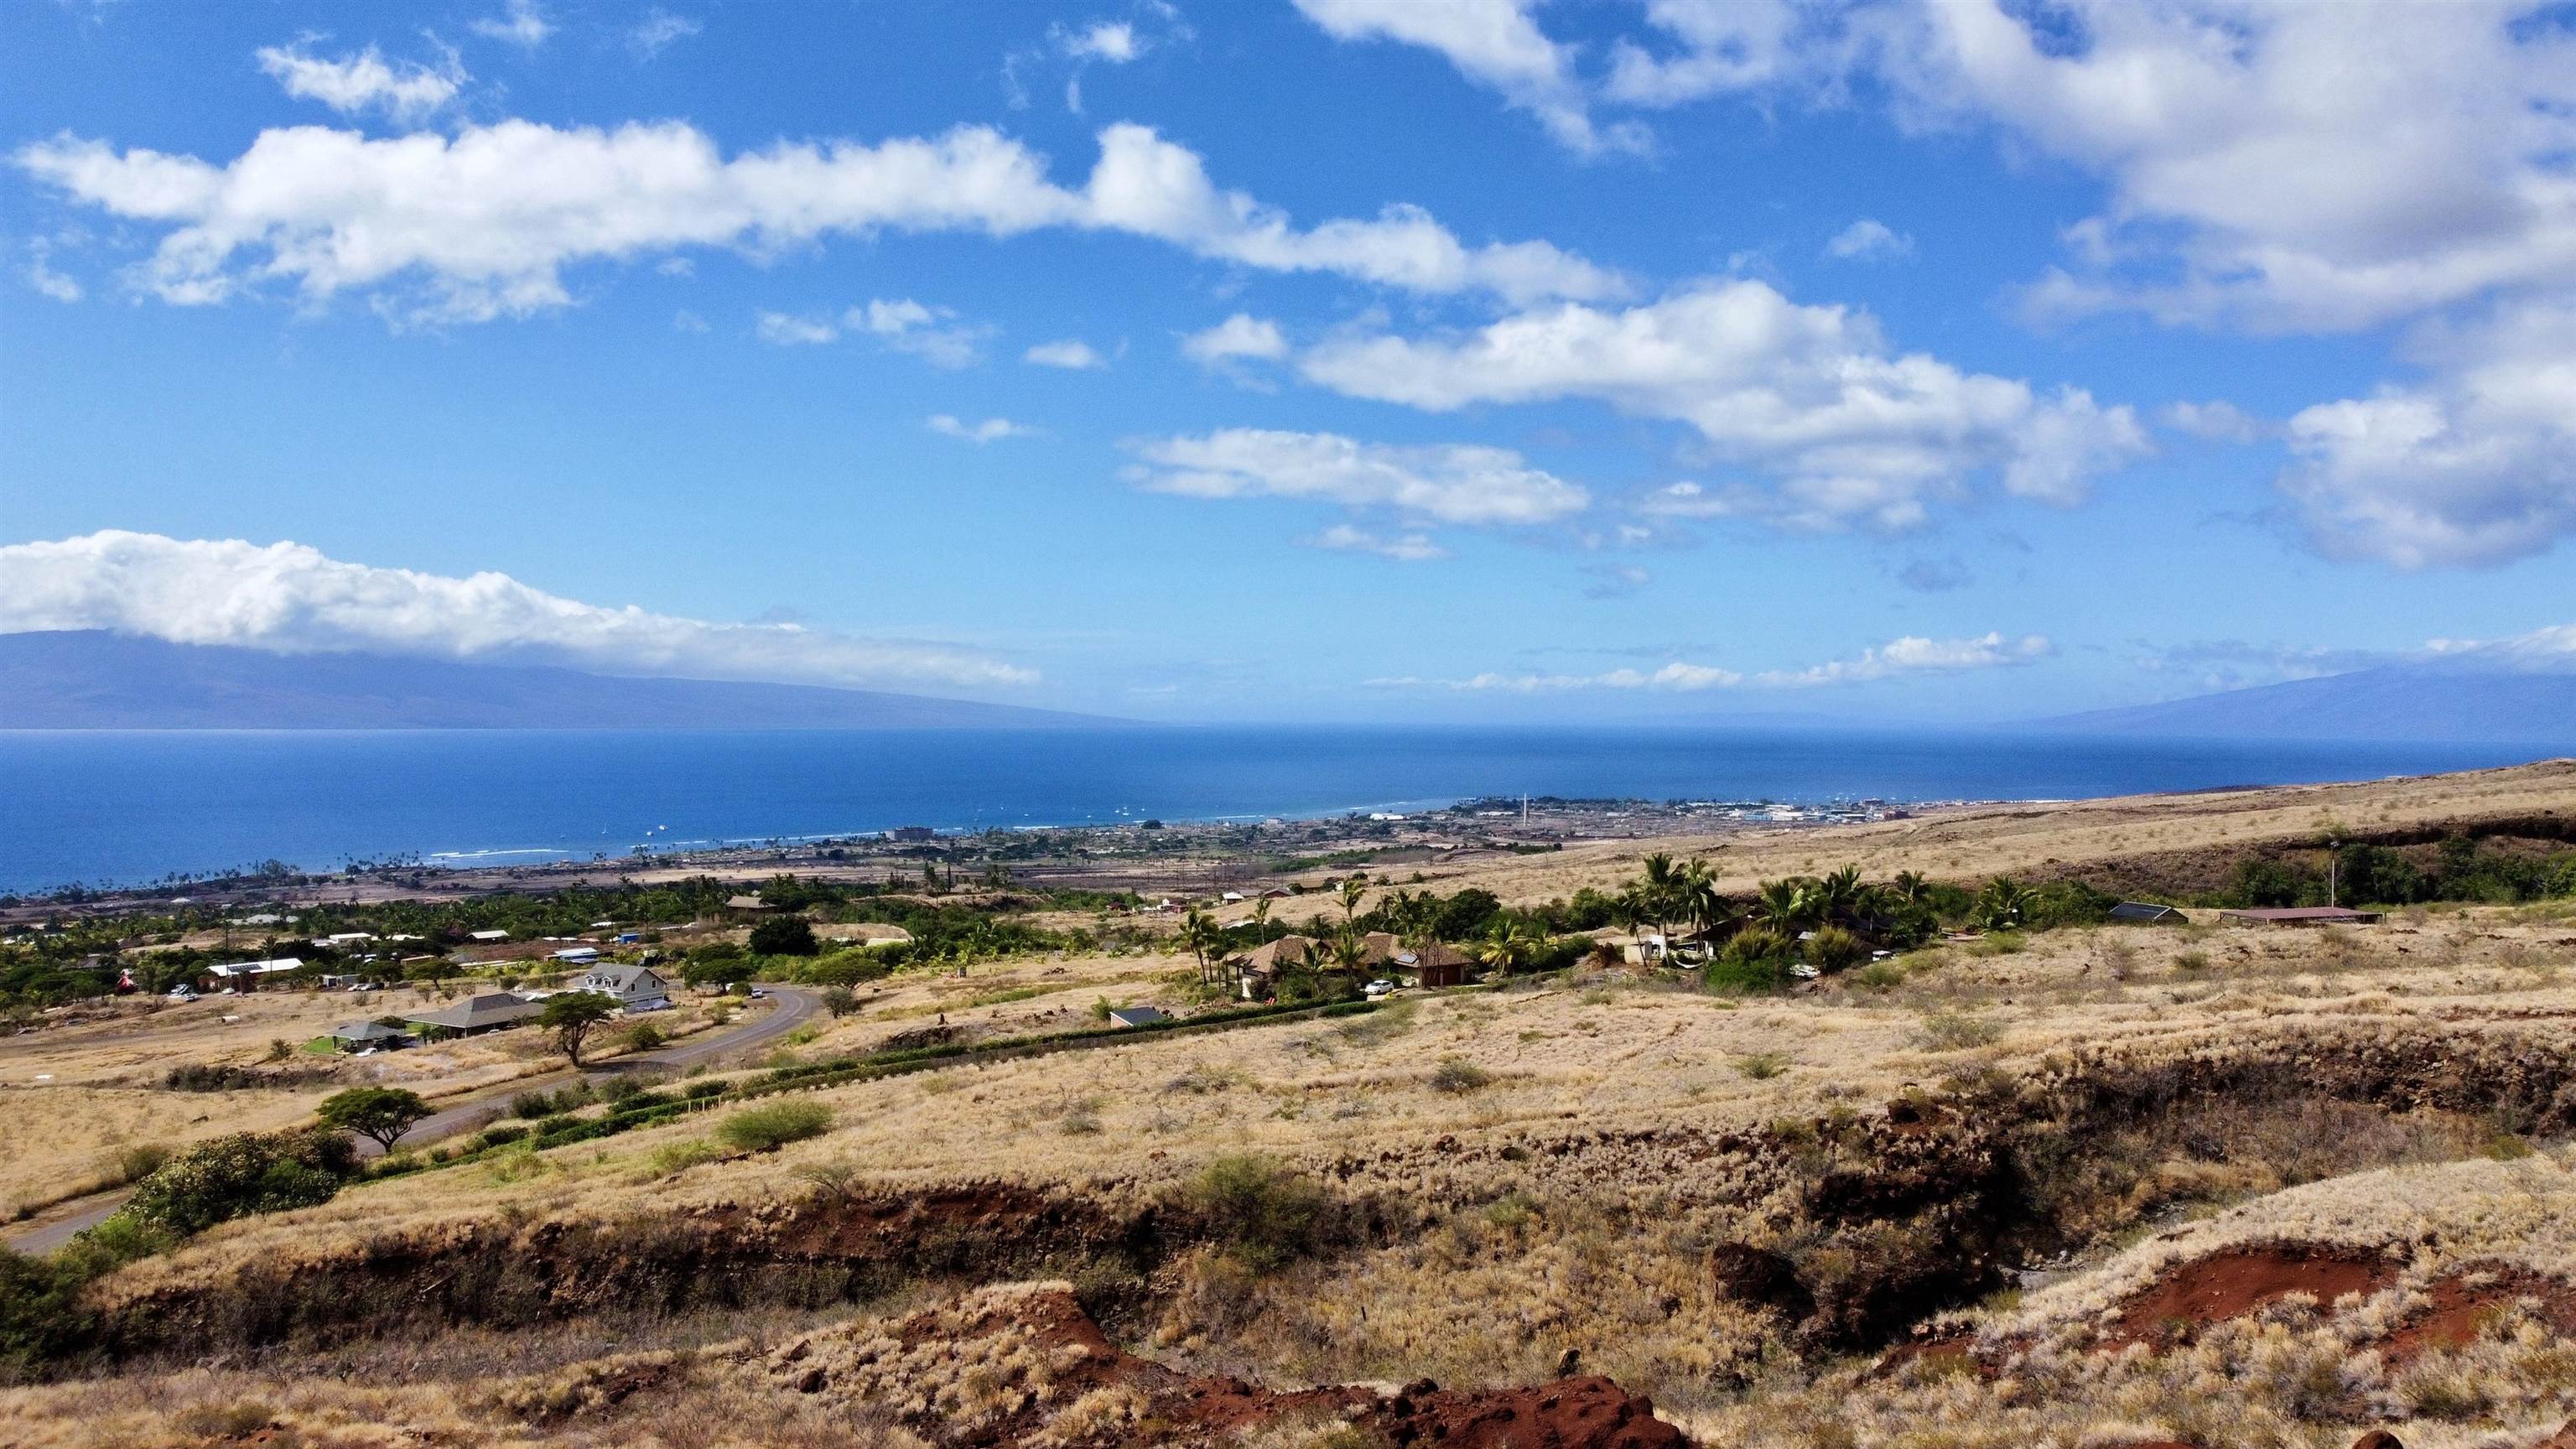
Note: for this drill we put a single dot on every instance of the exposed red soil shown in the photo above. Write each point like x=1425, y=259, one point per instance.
x=2242, y=1281
x=1571, y=1413
x=2460, y=1310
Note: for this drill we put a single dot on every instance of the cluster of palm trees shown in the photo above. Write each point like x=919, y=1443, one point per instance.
x=1685, y=892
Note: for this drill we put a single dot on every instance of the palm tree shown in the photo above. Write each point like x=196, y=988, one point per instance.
x=2004, y=903
x=1261, y=916
x=1507, y=947
x=1708, y=910
x=1352, y=889
x=1838, y=896
x=1349, y=955
x=1661, y=888
x=1785, y=906
x=1199, y=933
x=1910, y=887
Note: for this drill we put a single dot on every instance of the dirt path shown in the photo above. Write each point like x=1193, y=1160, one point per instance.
x=49, y=1232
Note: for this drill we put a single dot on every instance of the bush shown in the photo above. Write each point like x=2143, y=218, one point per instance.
x=673, y=1157
x=784, y=936
x=1458, y=1076
x=1831, y=949
x=1265, y=1212
x=643, y=1036
x=1752, y=960
x=237, y=1176
x=501, y=1136
x=838, y=1001
x=700, y=1091
x=774, y=1125
x=135, y=1162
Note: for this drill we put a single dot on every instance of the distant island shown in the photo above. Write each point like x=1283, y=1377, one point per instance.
x=2467, y=702
x=92, y=679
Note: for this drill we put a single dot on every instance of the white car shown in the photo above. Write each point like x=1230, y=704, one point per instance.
x=1378, y=988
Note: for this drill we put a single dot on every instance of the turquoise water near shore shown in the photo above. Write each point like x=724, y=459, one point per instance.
x=127, y=807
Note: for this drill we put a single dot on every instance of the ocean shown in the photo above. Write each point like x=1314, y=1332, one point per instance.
x=132, y=807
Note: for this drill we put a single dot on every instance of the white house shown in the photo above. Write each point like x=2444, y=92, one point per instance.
x=244, y=970
x=637, y=988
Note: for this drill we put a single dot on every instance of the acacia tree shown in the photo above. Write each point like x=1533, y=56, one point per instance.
x=570, y=1017
x=381, y=1113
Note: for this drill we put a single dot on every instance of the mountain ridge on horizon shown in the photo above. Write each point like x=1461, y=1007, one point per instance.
x=2467, y=701
x=95, y=679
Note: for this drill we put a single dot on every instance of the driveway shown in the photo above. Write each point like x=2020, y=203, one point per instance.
x=793, y=1006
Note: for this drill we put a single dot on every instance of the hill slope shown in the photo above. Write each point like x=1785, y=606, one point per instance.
x=97, y=680
x=2395, y=702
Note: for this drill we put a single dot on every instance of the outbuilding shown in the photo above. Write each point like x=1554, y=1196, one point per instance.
x=475, y=1015
x=1136, y=1016
x=2303, y=916
x=359, y=1035
x=2147, y=913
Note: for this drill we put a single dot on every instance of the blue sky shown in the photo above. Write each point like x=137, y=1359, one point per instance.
x=1301, y=359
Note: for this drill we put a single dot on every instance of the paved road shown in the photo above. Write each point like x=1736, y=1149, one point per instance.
x=793, y=1005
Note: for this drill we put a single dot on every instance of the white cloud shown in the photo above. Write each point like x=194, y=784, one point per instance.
x=1239, y=337
x=783, y=330
x=2215, y=422
x=1809, y=395
x=354, y=83
x=2475, y=467
x=1070, y=353
x=487, y=218
x=287, y=598
x=1453, y=483
x=1900, y=657
x=1723, y=46
x=520, y=23
x=1916, y=655
x=991, y=430
x=2303, y=166
x=930, y=333
x=1869, y=240
x=1492, y=42
x=658, y=31
x=1114, y=41
x=1404, y=548
x=41, y=275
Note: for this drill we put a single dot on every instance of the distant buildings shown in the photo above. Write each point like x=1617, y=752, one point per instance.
x=2303, y=916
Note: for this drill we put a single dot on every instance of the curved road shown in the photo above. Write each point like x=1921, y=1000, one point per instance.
x=794, y=1005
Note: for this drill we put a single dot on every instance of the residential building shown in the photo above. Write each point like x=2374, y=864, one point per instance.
x=636, y=988
x=475, y=1015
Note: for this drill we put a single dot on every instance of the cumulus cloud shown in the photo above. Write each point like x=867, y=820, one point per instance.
x=1403, y=548
x=1241, y=337
x=520, y=23
x=2305, y=166
x=1868, y=240
x=1070, y=353
x=991, y=430
x=1492, y=42
x=1811, y=396
x=782, y=330
x=2475, y=467
x=1114, y=41
x=354, y=83
x=487, y=219
x=1706, y=48
x=287, y=598
x=1452, y=483
x=1899, y=657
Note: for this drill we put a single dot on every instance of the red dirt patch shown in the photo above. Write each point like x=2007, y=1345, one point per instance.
x=2241, y=1281
x=2460, y=1311
x=1571, y=1413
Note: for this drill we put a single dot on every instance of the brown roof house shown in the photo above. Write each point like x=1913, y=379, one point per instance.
x=1261, y=968
x=1436, y=964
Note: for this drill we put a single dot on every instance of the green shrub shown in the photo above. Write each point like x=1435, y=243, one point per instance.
x=784, y=936
x=1831, y=949
x=1762, y=1066
x=245, y=1173
x=774, y=1125
x=1265, y=1212
x=135, y=1162
x=1751, y=961
x=673, y=1157
x=1880, y=976
x=643, y=1036
x=1458, y=1076
x=501, y=1136
x=41, y=1319
x=700, y=1091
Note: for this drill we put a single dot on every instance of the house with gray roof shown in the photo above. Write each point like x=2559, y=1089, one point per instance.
x=475, y=1015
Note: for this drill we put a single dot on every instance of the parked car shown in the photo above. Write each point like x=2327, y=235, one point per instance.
x=1379, y=987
